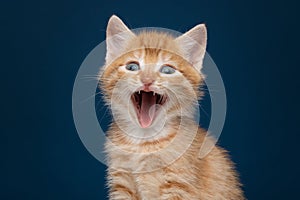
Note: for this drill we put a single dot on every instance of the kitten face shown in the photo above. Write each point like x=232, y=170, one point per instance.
x=151, y=78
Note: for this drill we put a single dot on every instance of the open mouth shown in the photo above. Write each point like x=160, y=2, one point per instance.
x=147, y=105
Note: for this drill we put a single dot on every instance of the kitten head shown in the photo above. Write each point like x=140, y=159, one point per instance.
x=152, y=78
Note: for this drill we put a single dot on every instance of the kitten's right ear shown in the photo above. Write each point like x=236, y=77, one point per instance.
x=117, y=36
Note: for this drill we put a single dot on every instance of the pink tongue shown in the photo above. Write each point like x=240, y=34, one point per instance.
x=146, y=112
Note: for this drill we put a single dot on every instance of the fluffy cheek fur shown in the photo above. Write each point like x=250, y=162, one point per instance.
x=182, y=96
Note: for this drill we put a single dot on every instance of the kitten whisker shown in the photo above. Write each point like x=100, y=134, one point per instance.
x=90, y=97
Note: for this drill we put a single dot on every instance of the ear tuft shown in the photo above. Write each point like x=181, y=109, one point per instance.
x=117, y=36
x=193, y=44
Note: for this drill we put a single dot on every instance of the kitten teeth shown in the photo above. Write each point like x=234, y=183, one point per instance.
x=139, y=91
x=153, y=93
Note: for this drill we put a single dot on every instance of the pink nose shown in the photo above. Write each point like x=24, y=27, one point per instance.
x=147, y=81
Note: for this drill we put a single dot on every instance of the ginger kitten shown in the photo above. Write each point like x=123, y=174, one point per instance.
x=151, y=82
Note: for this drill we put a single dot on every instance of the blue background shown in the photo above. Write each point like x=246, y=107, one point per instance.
x=254, y=43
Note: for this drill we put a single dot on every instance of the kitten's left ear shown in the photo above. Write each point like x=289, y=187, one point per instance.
x=193, y=44
x=117, y=36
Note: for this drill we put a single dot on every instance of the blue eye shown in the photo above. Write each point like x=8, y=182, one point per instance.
x=132, y=66
x=165, y=69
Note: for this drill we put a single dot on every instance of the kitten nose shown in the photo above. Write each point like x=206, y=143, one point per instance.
x=147, y=81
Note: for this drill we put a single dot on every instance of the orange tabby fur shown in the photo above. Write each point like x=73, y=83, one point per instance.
x=139, y=168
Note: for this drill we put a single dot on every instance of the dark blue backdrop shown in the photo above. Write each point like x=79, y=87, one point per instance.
x=254, y=44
